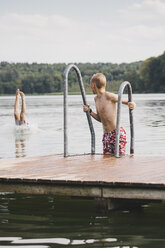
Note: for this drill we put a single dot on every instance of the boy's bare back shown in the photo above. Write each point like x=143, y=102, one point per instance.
x=106, y=110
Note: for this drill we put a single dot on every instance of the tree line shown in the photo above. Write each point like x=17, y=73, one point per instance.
x=146, y=76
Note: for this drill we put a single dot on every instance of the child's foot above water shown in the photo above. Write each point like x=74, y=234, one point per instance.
x=17, y=92
x=22, y=94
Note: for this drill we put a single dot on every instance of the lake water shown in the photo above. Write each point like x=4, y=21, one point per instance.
x=28, y=221
x=45, y=132
x=50, y=222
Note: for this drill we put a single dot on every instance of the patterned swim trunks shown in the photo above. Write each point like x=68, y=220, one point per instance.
x=109, y=142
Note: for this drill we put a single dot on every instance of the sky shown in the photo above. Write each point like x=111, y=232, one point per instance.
x=73, y=31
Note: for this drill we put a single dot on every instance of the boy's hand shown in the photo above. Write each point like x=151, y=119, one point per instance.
x=131, y=105
x=86, y=107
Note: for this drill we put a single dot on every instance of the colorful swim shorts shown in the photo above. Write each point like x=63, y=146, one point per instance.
x=109, y=142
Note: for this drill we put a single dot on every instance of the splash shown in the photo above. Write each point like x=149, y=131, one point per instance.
x=26, y=129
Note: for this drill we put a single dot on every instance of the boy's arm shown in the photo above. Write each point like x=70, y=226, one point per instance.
x=94, y=115
x=114, y=98
x=131, y=105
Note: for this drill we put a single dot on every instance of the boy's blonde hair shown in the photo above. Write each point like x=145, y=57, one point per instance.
x=99, y=79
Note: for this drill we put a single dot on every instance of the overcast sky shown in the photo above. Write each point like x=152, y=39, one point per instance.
x=53, y=31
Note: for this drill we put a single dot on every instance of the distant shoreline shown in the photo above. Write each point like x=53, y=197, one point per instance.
x=76, y=93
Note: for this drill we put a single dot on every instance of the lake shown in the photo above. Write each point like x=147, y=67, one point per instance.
x=28, y=221
x=45, y=132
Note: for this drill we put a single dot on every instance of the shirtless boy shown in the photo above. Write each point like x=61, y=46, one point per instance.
x=19, y=117
x=106, y=114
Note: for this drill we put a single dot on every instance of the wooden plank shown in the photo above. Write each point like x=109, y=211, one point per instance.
x=98, y=191
x=87, y=175
x=87, y=168
x=51, y=189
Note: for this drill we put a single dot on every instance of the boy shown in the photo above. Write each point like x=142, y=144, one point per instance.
x=106, y=114
x=19, y=117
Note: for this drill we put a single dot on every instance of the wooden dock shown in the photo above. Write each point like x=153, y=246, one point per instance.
x=96, y=176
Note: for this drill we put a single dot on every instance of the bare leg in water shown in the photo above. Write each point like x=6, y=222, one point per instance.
x=20, y=120
x=19, y=117
x=16, y=106
x=23, y=109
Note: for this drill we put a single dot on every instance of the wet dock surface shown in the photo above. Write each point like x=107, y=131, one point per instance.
x=86, y=175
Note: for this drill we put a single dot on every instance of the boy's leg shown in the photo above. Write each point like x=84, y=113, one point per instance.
x=23, y=109
x=122, y=148
x=16, y=106
x=108, y=143
x=122, y=141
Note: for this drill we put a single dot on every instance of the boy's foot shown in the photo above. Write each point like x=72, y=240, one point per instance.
x=17, y=92
x=22, y=94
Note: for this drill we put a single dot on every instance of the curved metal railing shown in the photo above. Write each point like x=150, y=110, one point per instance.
x=66, y=72
x=121, y=89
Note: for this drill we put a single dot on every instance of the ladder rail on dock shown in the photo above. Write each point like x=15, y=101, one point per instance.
x=66, y=72
x=120, y=93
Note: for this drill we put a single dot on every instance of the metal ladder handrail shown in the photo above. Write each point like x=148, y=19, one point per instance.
x=120, y=92
x=66, y=72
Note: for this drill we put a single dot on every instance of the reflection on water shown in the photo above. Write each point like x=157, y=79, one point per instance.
x=47, y=221
x=20, y=147
x=21, y=134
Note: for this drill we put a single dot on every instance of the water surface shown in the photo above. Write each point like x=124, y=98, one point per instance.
x=45, y=133
x=47, y=221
